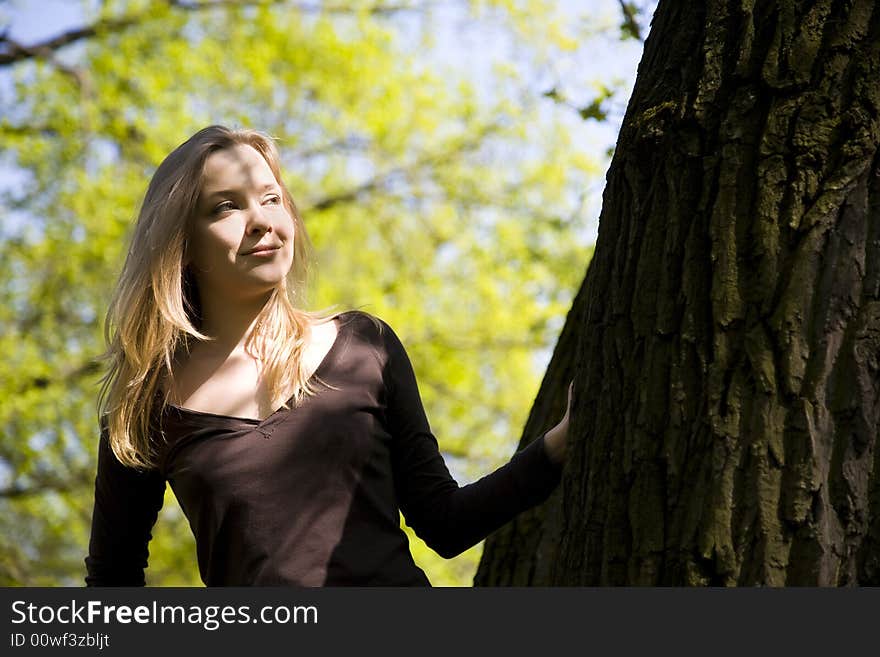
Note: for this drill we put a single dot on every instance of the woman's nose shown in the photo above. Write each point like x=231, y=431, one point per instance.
x=258, y=222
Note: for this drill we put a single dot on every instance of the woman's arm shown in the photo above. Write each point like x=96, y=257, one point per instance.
x=448, y=517
x=127, y=503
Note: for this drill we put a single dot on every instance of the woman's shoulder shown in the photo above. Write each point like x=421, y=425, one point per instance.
x=372, y=329
x=366, y=323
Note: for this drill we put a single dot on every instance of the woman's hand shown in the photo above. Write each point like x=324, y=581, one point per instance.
x=556, y=440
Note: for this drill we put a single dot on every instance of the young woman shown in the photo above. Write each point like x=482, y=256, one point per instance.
x=290, y=438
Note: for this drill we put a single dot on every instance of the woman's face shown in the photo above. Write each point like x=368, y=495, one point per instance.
x=241, y=239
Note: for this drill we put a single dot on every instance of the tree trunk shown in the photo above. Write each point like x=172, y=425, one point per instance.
x=727, y=369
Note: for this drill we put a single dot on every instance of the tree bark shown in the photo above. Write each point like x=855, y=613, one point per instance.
x=727, y=368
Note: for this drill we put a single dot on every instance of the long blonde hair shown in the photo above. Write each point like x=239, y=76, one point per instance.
x=155, y=309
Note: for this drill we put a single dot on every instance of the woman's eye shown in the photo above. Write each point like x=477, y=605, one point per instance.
x=223, y=207
x=274, y=199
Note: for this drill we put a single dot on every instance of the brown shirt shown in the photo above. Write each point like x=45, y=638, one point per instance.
x=310, y=495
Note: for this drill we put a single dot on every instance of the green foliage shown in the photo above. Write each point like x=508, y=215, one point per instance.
x=454, y=218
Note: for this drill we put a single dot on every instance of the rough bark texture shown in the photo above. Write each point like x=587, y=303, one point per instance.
x=727, y=372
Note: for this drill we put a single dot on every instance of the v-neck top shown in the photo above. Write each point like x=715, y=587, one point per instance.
x=254, y=421
x=310, y=495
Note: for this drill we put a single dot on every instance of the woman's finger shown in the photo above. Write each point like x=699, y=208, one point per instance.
x=568, y=405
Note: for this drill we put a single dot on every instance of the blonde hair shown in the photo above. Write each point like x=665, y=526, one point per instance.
x=155, y=310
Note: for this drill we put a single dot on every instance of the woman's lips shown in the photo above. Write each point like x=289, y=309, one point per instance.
x=265, y=252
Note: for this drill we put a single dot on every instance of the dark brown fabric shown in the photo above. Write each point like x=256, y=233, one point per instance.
x=310, y=496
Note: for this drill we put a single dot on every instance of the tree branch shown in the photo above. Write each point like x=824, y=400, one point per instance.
x=316, y=7
x=15, y=52
x=10, y=129
x=12, y=51
x=630, y=25
x=17, y=491
x=480, y=346
x=89, y=368
x=431, y=159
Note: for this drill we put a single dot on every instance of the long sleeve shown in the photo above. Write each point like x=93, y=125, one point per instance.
x=448, y=517
x=127, y=503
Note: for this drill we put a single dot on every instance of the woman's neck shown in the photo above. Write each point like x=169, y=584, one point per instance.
x=230, y=321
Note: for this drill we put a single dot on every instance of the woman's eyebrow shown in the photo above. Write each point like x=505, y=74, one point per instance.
x=227, y=192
